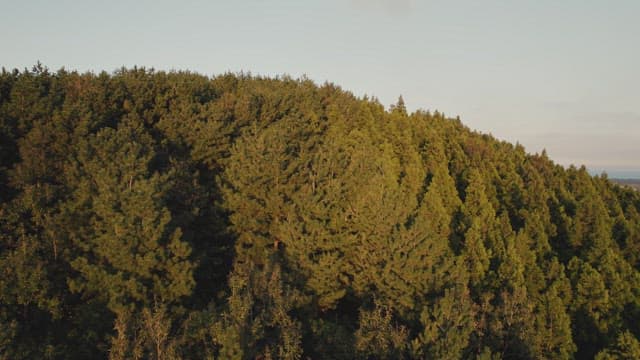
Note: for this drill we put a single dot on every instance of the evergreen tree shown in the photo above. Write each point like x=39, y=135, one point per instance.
x=448, y=323
x=377, y=336
x=626, y=347
x=479, y=221
x=131, y=253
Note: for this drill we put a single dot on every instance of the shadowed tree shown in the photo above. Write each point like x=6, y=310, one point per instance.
x=131, y=254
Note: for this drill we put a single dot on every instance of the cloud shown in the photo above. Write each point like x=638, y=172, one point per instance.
x=596, y=150
x=395, y=7
x=616, y=118
x=592, y=115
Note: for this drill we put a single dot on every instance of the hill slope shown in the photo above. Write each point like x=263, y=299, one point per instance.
x=174, y=215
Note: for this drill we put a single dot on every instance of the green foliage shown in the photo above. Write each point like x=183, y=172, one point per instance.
x=147, y=214
x=448, y=325
x=130, y=252
x=377, y=335
x=258, y=321
x=626, y=347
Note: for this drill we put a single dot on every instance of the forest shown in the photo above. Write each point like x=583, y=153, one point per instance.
x=170, y=215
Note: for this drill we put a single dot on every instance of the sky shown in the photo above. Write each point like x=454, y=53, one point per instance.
x=557, y=75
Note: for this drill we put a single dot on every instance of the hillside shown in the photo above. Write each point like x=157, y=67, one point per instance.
x=172, y=215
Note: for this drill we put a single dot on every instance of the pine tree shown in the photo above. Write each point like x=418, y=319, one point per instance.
x=552, y=337
x=479, y=227
x=420, y=257
x=377, y=335
x=590, y=307
x=131, y=253
x=399, y=107
x=448, y=322
x=627, y=347
x=258, y=322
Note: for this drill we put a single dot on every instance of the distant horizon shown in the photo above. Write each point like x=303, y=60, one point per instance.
x=617, y=174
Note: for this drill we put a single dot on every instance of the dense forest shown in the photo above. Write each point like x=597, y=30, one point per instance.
x=170, y=215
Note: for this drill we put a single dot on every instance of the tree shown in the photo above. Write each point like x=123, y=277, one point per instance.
x=257, y=322
x=627, y=347
x=399, y=108
x=377, y=336
x=479, y=225
x=448, y=324
x=131, y=254
x=590, y=306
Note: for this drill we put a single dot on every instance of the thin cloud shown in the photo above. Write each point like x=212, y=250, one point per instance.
x=617, y=118
x=582, y=112
x=601, y=151
x=396, y=7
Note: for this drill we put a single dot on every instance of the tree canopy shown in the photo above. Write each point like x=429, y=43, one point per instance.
x=166, y=215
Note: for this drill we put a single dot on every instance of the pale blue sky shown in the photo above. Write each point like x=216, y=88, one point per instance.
x=560, y=75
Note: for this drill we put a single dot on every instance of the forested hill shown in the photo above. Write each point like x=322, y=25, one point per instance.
x=170, y=215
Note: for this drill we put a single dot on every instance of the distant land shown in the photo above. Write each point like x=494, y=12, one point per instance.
x=633, y=183
x=630, y=178
x=626, y=174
